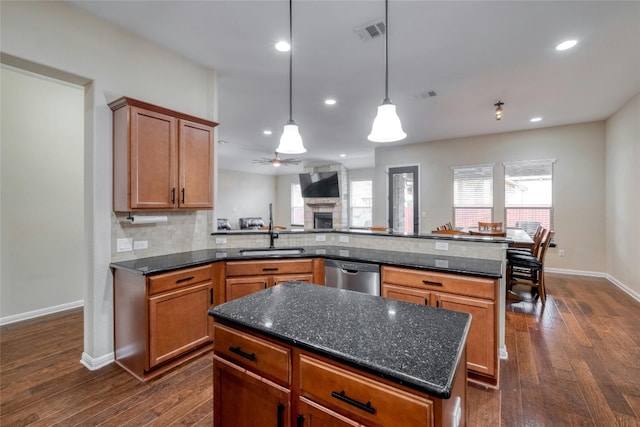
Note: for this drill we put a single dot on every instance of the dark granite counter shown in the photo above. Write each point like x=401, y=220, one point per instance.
x=446, y=264
x=414, y=345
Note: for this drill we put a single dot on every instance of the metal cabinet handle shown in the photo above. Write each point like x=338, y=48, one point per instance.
x=185, y=279
x=241, y=353
x=211, y=296
x=183, y=196
x=363, y=406
x=429, y=282
x=281, y=408
x=300, y=420
x=270, y=269
x=173, y=196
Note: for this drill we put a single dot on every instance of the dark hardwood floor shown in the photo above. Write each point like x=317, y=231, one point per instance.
x=575, y=361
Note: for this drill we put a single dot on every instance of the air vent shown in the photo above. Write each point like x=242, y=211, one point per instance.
x=426, y=94
x=371, y=30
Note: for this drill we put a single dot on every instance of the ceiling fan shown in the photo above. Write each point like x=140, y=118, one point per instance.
x=276, y=162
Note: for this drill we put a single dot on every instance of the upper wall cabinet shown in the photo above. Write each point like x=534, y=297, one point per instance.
x=162, y=159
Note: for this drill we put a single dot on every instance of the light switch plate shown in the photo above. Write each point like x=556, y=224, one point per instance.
x=124, y=245
x=344, y=239
x=442, y=246
x=221, y=240
x=321, y=238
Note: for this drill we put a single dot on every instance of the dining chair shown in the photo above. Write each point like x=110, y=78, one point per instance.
x=534, y=249
x=490, y=226
x=529, y=269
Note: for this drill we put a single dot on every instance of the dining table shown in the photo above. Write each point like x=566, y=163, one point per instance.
x=516, y=237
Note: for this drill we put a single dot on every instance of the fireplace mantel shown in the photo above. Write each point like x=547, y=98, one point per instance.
x=323, y=204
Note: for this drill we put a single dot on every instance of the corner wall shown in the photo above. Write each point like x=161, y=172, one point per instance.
x=623, y=195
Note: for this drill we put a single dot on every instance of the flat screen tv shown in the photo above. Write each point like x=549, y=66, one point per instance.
x=319, y=184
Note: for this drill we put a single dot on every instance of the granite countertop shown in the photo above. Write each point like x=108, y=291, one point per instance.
x=446, y=264
x=414, y=345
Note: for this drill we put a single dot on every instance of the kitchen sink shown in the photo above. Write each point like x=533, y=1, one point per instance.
x=271, y=251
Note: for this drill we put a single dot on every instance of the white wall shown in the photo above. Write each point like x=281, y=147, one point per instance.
x=623, y=195
x=116, y=63
x=579, y=176
x=42, y=194
x=242, y=195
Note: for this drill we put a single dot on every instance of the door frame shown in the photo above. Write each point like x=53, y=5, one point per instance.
x=415, y=169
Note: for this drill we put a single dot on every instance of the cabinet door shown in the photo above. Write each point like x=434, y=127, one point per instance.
x=311, y=414
x=403, y=293
x=244, y=399
x=178, y=322
x=195, y=166
x=237, y=287
x=481, y=345
x=286, y=277
x=153, y=173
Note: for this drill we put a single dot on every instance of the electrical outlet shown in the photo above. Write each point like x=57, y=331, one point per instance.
x=442, y=246
x=140, y=244
x=344, y=239
x=221, y=240
x=561, y=252
x=321, y=238
x=124, y=245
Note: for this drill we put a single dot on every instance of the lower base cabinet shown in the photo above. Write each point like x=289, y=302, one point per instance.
x=474, y=295
x=260, y=381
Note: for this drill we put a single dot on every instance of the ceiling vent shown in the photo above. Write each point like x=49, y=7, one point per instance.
x=371, y=31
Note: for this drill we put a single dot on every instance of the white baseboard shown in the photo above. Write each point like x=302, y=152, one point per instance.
x=97, y=363
x=41, y=312
x=633, y=294
x=503, y=352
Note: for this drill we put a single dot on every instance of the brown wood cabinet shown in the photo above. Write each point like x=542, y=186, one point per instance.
x=162, y=159
x=474, y=295
x=246, y=277
x=262, y=381
x=161, y=320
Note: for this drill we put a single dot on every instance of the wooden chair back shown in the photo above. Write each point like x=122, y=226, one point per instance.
x=490, y=226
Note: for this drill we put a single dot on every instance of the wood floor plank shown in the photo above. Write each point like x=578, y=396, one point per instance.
x=572, y=361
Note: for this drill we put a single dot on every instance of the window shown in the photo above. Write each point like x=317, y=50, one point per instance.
x=297, y=205
x=472, y=195
x=528, y=194
x=361, y=203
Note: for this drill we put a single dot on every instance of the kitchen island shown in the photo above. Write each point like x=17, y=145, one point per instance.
x=297, y=352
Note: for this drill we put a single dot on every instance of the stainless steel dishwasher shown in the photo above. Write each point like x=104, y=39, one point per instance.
x=352, y=276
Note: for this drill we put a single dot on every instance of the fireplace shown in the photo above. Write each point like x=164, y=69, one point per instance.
x=322, y=220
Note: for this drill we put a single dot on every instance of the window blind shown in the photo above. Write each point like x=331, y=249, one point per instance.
x=472, y=194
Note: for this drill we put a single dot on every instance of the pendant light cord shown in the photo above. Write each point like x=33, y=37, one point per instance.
x=386, y=53
x=290, y=61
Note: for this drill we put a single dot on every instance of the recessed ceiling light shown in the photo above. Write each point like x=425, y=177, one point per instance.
x=536, y=119
x=330, y=101
x=343, y=155
x=283, y=46
x=567, y=45
x=267, y=132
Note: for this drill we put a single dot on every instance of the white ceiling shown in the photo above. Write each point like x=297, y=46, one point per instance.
x=472, y=53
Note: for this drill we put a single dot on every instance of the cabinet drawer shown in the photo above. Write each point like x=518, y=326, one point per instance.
x=281, y=266
x=452, y=283
x=361, y=398
x=260, y=356
x=180, y=278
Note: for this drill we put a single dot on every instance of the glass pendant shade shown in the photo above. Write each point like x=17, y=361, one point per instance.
x=291, y=141
x=386, y=126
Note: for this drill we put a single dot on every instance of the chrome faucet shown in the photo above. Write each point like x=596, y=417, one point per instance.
x=272, y=234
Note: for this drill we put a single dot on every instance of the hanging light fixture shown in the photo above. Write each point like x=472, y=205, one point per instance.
x=291, y=141
x=386, y=126
x=498, y=106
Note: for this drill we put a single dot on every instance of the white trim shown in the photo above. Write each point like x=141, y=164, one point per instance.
x=94, y=364
x=503, y=352
x=40, y=312
x=633, y=294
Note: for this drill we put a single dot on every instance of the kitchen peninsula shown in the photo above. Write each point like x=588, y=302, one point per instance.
x=301, y=354
x=154, y=327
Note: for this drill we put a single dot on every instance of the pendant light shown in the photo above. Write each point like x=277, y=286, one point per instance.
x=386, y=126
x=291, y=141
